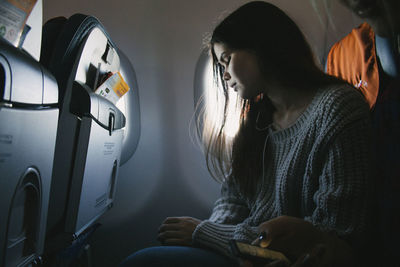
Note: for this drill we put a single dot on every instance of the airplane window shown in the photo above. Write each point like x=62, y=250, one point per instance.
x=2, y=80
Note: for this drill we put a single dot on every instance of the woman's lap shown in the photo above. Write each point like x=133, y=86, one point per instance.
x=177, y=256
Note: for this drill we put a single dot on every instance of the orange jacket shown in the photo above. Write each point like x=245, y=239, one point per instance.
x=353, y=59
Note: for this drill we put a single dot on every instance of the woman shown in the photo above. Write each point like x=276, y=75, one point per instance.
x=297, y=167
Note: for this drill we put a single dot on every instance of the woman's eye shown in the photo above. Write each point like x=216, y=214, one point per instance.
x=226, y=61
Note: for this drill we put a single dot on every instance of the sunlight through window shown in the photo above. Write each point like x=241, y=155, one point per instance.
x=215, y=102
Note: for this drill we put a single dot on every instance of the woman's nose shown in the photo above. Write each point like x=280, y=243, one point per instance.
x=226, y=76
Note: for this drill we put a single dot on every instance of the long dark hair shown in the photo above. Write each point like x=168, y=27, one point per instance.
x=284, y=54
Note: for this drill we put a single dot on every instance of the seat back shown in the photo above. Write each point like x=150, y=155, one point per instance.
x=79, y=52
x=29, y=118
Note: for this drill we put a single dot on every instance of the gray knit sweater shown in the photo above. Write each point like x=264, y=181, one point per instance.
x=317, y=169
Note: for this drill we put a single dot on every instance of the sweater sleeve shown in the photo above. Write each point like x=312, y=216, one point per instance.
x=342, y=200
x=227, y=221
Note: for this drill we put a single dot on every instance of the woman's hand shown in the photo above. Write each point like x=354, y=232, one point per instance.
x=292, y=236
x=318, y=257
x=303, y=244
x=177, y=231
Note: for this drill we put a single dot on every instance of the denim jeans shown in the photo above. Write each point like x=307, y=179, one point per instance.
x=177, y=256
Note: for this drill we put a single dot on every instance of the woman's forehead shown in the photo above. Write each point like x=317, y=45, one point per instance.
x=220, y=48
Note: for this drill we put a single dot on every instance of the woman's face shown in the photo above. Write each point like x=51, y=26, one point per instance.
x=241, y=71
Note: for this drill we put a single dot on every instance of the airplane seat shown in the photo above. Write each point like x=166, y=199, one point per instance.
x=50, y=32
x=29, y=118
x=91, y=130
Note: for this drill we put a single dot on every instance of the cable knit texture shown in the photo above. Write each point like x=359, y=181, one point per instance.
x=317, y=169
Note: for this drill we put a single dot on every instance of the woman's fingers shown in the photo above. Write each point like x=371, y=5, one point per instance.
x=170, y=234
x=264, y=239
x=172, y=224
x=169, y=227
x=177, y=230
x=271, y=229
x=171, y=238
x=169, y=220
